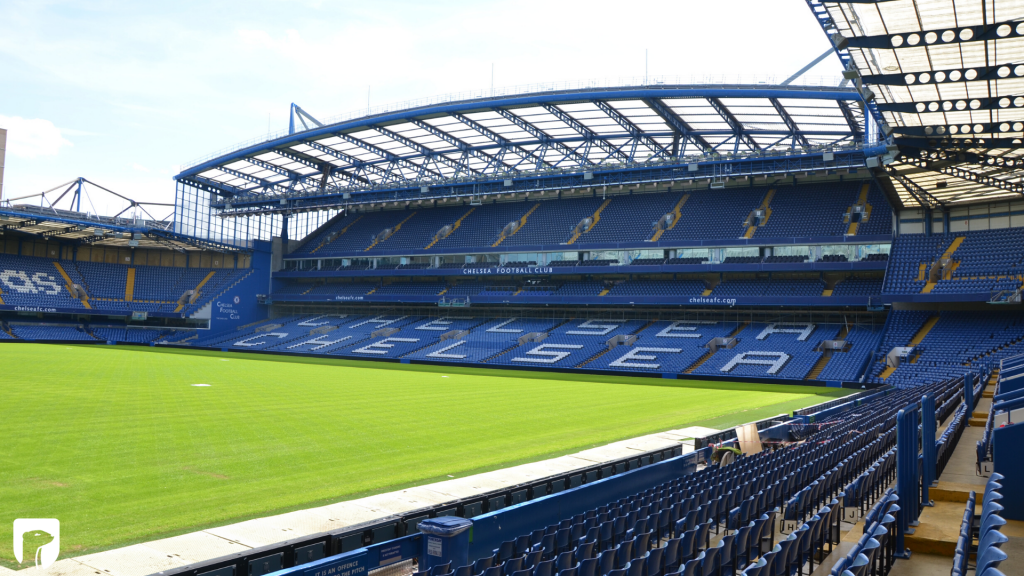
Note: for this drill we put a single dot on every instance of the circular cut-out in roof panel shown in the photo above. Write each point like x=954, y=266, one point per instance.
x=948, y=36
x=913, y=39
x=897, y=41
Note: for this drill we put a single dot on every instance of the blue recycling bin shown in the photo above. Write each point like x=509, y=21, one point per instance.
x=445, y=539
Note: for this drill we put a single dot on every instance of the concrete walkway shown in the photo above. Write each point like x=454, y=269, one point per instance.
x=934, y=541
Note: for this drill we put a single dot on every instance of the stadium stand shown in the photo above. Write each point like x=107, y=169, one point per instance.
x=957, y=263
x=805, y=210
x=946, y=344
x=858, y=287
x=787, y=350
x=658, y=288
x=50, y=332
x=33, y=282
x=704, y=347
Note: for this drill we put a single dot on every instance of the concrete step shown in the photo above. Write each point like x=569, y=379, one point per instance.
x=978, y=421
x=939, y=529
x=956, y=492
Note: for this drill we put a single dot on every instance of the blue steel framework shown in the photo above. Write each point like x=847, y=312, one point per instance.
x=545, y=141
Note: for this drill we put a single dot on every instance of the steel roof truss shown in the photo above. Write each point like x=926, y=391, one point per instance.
x=356, y=163
x=797, y=134
x=736, y=126
x=265, y=184
x=542, y=136
x=920, y=194
x=637, y=134
x=429, y=155
x=394, y=161
x=293, y=176
x=459, y=144
x=963, y=174
x=941, y=37
x=502, y=141
x=585, y=132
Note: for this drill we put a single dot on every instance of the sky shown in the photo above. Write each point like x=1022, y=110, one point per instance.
x=125, y=93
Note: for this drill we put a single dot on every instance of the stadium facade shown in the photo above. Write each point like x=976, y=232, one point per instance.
x=865, y=234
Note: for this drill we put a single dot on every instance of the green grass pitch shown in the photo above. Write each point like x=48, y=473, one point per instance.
x=118, y=444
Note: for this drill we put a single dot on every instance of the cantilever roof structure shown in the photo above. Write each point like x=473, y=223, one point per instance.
x=514, y=136
x=948, y=77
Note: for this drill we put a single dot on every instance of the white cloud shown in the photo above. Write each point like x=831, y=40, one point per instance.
x=32, y=137
x=140, y=168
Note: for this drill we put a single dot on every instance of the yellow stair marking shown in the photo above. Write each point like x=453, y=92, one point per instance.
x=707, y=356
x=918, y=337
x=767, y=212
x=953, y=246
x=818, y=367
x=862, y=199
x=516, y=293
x=605, y=292
x=343, y=230
x=205, y=280
x=393, y=232
x=454, y=228
x=201, y=284
x=929, y=286
x=129, y=285
x=596, y=217
x=441, y=293
x=707, y=292
x=921, y=271
x=826, y=292
x=925, y=329
x=677, y=212
x=522, y=222
x=1, y=301
x=68, y=283
x=67, y=279
x=309, y=290
x=371, y=292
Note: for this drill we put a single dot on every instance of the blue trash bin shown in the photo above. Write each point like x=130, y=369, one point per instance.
x=445, y=539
